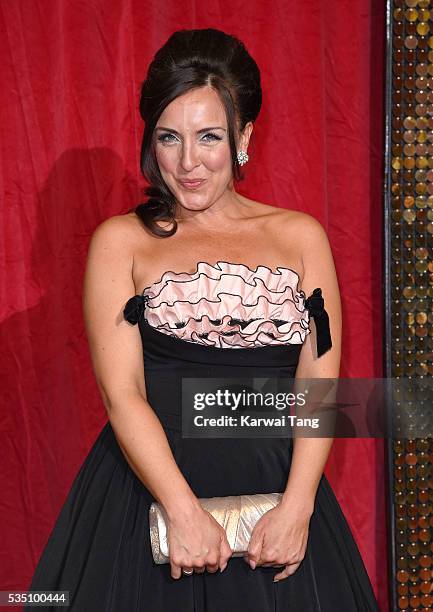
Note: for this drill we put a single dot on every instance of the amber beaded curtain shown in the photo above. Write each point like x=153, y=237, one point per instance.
x=409, y=286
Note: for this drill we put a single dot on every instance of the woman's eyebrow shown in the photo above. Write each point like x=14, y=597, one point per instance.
x=207, y=129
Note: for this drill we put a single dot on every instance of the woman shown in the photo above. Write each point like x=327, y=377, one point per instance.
x=213, y=280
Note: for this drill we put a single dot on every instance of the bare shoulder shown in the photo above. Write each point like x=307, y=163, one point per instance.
x=110, y=258
x=315, y=250
x=121, y=230
x=304, y=224
x=310, y=234
x=293, y=226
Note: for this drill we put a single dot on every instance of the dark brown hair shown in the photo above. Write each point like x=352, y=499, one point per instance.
x=191, y=59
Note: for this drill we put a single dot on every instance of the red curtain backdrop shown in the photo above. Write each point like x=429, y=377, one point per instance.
x=70, y=137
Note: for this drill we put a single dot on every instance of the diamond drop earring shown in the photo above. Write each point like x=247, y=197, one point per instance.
x=242, y=157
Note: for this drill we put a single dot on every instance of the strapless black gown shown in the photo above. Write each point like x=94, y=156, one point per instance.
x=99, y=549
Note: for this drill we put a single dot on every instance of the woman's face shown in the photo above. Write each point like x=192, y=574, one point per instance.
x=192, y=148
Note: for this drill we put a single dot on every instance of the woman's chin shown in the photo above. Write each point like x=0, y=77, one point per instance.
x=194, y=202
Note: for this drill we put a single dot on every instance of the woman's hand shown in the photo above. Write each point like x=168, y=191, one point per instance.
x=196, y=541
x=280, y=538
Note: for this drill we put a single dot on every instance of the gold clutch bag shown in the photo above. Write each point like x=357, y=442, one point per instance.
x=237, y=514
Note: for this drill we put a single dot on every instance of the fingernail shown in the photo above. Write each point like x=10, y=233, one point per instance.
x=253, y=564
x=276, y=579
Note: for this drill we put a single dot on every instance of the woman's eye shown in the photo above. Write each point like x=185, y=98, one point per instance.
x=210, y=136
x=166, y=137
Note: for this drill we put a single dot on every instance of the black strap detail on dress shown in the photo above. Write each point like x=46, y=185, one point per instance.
x=134, y=309
x=315, y=306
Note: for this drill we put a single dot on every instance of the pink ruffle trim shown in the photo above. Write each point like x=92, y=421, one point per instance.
x=188, y=305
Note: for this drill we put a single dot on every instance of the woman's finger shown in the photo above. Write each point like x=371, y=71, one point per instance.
x=288, y=571
x=254, y=550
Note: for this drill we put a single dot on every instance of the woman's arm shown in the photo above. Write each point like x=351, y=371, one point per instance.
x=280, y=536
x=310, y=454
x=117, y=357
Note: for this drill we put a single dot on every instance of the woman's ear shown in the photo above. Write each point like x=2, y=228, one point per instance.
x=245, y=136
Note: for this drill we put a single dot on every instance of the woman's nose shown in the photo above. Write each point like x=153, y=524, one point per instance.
x=189, y=156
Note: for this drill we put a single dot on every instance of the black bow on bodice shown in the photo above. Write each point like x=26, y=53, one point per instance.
x=134, y=310
x=316, y=307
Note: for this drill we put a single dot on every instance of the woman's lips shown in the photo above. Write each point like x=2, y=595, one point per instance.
x=192, y=184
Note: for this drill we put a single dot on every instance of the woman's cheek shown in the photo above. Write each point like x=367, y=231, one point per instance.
x=166, y=159
x=217, y=159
